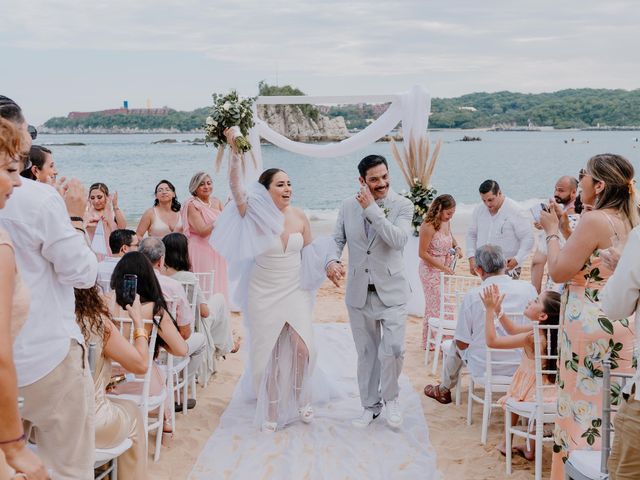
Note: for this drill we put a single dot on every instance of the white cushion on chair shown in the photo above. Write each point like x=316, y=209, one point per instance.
x=104, y=455
x=497, y=380
x=586, y=462
x=154, y=400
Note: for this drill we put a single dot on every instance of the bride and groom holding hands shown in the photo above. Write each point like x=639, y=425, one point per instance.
x=269, y=247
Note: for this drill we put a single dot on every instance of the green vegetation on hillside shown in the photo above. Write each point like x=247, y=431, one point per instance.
x=564, y=109
x=267, y=90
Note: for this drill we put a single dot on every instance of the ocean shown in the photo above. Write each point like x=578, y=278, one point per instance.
x=525, y=164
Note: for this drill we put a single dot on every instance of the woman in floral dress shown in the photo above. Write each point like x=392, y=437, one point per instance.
x=587, y=336
x=435, y=251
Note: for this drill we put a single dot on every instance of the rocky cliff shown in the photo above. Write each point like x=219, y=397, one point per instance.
x=290, y=121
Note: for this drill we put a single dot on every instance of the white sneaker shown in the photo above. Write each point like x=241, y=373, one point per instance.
x=365, y=419
x=393, y=413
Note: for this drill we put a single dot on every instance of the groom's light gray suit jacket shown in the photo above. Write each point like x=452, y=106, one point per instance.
x=378, y=258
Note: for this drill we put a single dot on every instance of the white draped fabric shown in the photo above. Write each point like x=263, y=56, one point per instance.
x=328, y=448
x=410, y=108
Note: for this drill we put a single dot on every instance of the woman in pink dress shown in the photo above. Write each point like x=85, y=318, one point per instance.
x=199, y=215
x=435, y=252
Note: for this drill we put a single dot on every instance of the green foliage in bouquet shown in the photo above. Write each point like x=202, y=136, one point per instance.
x=421, y=196
x=229, y=111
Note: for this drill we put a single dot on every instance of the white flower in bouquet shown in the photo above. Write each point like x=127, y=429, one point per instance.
x=230, y=111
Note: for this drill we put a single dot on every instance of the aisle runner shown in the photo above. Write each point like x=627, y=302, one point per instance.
x=330, y=448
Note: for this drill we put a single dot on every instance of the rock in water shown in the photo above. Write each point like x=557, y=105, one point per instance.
x=290, y=121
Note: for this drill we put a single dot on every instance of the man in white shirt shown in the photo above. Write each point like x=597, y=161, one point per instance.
x=500, y=221
x=620, y=298
x=121, y=241
x=154, y=250
x=469, y=345
x=51, y=363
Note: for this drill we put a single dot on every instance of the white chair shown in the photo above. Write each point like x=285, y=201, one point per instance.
x=452, y=290
x=110, y=456
x=146, y=402
x=490, y=383
x=592, y=464
x=205, y=280
x=191, y=290
x=536, y=413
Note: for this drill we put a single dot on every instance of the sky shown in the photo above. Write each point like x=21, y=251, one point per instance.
x=64, y=55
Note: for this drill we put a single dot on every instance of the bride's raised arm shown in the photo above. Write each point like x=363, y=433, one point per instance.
x=236, y=183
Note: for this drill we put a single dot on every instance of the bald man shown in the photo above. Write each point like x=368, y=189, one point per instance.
x=565, y=195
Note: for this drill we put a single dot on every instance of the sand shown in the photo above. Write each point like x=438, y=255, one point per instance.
x=459, y=451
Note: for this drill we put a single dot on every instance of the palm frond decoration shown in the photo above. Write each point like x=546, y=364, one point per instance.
x=417, y=168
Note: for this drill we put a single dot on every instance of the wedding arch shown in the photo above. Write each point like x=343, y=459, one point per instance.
x=411, y=109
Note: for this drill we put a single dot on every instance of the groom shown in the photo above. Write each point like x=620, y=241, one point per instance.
x=375, y=224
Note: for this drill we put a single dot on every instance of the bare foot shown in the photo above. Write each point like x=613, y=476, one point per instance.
x=502, y=448
x=236, y=344
x=522, y=450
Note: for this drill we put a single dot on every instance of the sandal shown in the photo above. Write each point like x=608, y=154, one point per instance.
x=306, y=413
x=236, y=345
x=433, y=391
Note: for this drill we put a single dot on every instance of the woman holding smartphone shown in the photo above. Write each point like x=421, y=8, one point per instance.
x=153, y=307
x=115, y=419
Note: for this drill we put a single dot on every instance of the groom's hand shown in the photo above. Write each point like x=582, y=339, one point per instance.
x=365, y=197
x=335, y=273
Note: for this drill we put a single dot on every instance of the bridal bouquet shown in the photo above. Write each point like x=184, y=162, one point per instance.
x=229, y=112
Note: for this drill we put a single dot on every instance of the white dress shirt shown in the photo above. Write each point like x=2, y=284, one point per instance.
x=105, y=270
x=510, y=228
x=471, y=323
x=52, y=258
x=620, y=295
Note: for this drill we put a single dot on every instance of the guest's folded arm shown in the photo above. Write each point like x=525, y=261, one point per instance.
x=175, y=344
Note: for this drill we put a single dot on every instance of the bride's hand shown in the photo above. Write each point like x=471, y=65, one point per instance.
x=231, y=134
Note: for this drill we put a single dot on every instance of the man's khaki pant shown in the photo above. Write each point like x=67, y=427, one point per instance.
x=624, y=462
x=60, y=408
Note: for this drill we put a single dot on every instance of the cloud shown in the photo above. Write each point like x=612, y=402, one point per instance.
x=324, y=47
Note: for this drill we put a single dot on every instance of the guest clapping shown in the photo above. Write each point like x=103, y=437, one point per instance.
x=437, y=252
x=41, y=166
x=14, y=307
x=199, y=215
x=103, y=207
x=116, y=419
x=53, y=258
x=164, y=217
x=607, y=184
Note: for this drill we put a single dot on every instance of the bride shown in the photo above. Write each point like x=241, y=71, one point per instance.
x=263, y=239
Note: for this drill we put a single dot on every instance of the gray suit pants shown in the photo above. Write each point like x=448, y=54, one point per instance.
x=378, y=332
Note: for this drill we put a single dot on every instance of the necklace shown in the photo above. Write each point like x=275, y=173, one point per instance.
x=208, y=204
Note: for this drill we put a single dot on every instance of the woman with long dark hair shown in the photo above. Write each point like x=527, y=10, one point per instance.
x=115, y=419
x=165, y=216
x=213, y=312
x=153, y=306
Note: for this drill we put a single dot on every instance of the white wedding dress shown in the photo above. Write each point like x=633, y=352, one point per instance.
x=276, y=284
x=279, y=316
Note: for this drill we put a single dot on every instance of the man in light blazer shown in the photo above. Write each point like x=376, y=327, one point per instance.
x=375, y=225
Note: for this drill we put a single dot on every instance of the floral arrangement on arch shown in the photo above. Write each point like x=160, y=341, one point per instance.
x=417, y=168
x=229, y=112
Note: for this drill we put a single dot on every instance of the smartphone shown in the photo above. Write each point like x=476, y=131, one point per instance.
x=129, y=289
x=536, y=210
